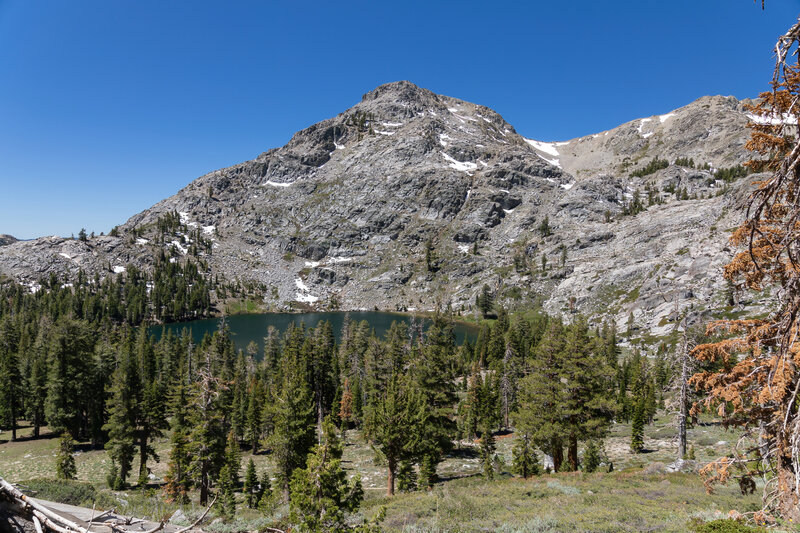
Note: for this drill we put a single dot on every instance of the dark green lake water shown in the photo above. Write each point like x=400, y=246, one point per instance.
x=253, y=327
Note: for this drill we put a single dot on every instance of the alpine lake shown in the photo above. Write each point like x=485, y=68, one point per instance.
x=248, y=328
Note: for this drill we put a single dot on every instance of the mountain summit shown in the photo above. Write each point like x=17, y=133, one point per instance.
x=413, y=200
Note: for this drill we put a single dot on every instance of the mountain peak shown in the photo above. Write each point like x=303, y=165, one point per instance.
x=402, y=90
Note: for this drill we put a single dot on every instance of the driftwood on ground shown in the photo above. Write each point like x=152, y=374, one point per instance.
x=22, y=513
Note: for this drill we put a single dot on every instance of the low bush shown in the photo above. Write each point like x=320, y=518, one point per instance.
x=62, y=491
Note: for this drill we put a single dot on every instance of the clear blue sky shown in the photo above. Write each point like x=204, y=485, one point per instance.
x=108, y=106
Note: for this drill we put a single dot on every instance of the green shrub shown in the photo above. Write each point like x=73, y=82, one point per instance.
x=63, y=491
x=725, y=526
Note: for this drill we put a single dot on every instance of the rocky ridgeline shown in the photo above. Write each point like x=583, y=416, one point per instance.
x=343, y=214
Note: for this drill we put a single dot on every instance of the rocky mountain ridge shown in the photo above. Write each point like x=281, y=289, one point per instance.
x=412, y=200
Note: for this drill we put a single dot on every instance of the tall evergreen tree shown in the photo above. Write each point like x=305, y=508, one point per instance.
x=542, y=395
x=250, y=486
x=177, y=481
x=293, y=434
x=433, y=376
x=70, y=356
x=393, y=425
x=122, y=413
x=11, y=383
x=207, y=437
x=321, y=496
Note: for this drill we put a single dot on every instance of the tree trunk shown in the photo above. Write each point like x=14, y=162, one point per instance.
x=558, y=454
x=203, y=482
x=36, y=424
x=684, y=400
x=390, y=482
x=572, y=453
x=143, y=457
x=788, y=501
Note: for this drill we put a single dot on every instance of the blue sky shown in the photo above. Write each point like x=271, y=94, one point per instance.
x=107, y=107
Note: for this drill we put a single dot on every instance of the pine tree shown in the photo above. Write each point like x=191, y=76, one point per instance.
x=11, y=383
x=65, y=461
x=294, y=420
x=254, y=416
x=488, y=447
x=250, y=486
x=177, y=481
x=229, y=476
x=485, y=300
x=524, y=461
x=151, y=419
x=592, y=456
x=68, y=386
x=637, y=425
x=393, y=425
x=432, y=375
x=320, y=493
x=264, y=493
x=122, y=413
x=406, y=476
x=206, y=420
x=589, y=405
x=346, y=408
x=542, y=395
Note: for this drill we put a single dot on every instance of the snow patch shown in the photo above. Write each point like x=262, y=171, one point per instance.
x=180, y=248
x=773, y=120
x=276, y=184
x=567, y=186
x=554, y=161
x=484, y=163
x=338, y=146
x=464, y=166
x=184, y=216
x=118, y=269
x=508, y=211
x=663, y=118
x=34, y=287
x=548, y=148
x=442, y=137
x=209, y=230
x=306, y=298
x=141, y=242
x=303, y=288
x=392, y=124
x=646, y=135
x=642, y=123
x=464, y=248
x=62, y=254
x=341, y=259
x=385, y=132
x=312, y=264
